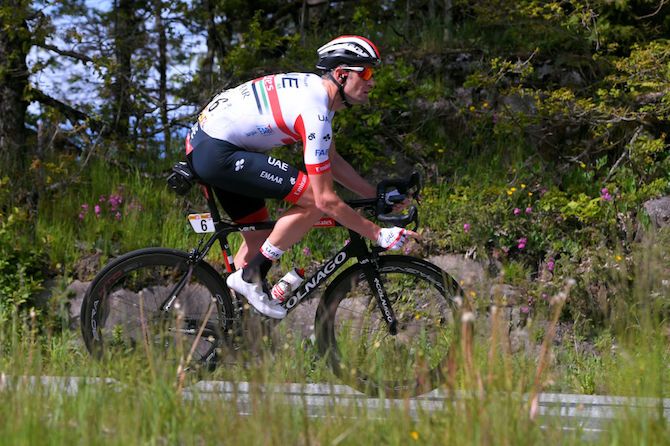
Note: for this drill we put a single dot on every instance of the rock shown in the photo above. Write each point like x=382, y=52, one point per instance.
x=658, y=211
x=300, y=321
x=465, y=271
x=75, y=292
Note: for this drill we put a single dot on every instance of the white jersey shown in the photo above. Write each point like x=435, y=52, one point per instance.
x=273, y=111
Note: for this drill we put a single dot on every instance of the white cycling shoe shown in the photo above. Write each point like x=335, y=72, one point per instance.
x=254, y=293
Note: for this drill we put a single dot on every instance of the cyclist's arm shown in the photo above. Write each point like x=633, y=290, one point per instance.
x=347, y=176
x=331, y=204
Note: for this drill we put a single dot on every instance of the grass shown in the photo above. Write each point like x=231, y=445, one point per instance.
x=148, y=406
x=629, y=358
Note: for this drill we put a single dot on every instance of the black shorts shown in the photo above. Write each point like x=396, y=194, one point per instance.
x=243, y=179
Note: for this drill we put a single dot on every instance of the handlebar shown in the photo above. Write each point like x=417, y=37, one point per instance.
x=407, y=188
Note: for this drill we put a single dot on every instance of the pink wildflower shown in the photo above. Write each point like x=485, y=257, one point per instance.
x=117, y=215
x=114, y=201
x=96, y=209
x=102, y=199
x=517, y=211
x=466, y=227
x=522, y=242
x=529, y=210
x=525, y=309
x=605, y=194
x=84, y=207
x=306, y=251
x=550, y=264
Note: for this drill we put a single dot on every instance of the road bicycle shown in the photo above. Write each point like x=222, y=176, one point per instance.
x=384, y=322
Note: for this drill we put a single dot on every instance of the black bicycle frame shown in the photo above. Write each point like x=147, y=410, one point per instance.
x=356, y=248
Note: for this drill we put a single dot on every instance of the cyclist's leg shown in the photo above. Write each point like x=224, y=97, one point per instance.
x=259, y=176
x=296, y=221
x=242, y=210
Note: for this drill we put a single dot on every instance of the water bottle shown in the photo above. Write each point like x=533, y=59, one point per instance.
x=287, y=284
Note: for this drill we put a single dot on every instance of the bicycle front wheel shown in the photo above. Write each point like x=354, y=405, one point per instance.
x=149, y=303
x=355, y=338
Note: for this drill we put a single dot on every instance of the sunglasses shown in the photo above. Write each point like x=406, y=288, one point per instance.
x=364, y=73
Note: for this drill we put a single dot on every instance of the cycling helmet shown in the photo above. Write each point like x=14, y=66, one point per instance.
x=347, y=50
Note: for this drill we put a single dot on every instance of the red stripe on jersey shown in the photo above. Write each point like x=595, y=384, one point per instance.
x=260, y=215
x=269, y=83
x=299, y=127
x=298, y=189
x=189, y=147
x=317, y=169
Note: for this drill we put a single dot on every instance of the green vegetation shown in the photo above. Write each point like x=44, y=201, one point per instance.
x=541, y=128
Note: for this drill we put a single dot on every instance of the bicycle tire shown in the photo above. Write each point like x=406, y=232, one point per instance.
x=120, y=310
x=354, y=337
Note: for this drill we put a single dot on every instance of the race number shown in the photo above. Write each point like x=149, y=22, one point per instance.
x=201, y=223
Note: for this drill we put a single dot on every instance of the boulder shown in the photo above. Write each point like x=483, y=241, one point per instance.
x=658, y=211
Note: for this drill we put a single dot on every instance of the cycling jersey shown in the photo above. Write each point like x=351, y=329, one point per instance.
x=226, y=146
x=272, y=111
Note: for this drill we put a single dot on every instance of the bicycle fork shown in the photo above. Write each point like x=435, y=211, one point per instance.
x=371, y=272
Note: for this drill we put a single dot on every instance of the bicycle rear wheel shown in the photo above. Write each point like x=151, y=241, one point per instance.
x=125, y=309
x=354, y=336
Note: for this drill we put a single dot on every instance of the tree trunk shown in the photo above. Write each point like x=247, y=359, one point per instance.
x=162, y=70
x=14, y=44
x=124, y=35
x=448, y=19
x=215, y=49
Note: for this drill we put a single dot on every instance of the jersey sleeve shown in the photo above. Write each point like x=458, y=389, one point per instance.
x=316, y=132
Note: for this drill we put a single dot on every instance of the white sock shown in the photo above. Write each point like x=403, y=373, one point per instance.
x=271, y=251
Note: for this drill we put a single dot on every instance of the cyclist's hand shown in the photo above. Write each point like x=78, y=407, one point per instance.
x=394, y=238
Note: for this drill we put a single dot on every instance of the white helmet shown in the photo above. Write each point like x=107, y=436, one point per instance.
x=347, y=50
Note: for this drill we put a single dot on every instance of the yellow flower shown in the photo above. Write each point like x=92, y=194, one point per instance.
x=513, y=189
x=414, y=435
x=472, y=108
x=618, y=258
x=473, y=294
x=582, y=165
x=523, y=186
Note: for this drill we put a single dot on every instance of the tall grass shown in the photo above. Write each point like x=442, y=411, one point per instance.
x=148, y=404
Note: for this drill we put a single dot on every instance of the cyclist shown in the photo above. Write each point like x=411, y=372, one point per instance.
x=227, y=148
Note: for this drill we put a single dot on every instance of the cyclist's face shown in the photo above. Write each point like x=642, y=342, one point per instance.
x=356, y=87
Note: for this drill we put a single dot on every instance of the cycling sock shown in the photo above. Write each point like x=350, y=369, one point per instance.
x=260, y=264
x=271, y=251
